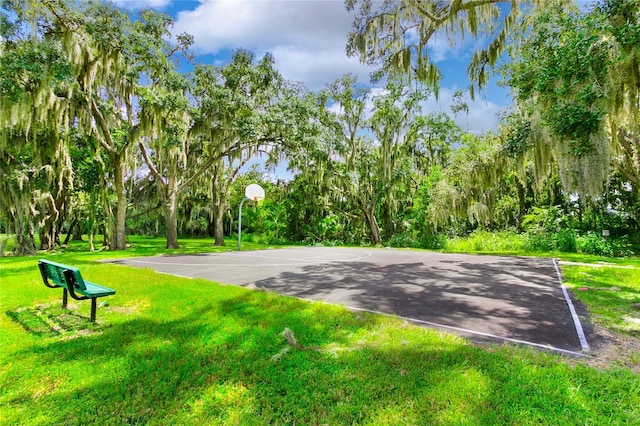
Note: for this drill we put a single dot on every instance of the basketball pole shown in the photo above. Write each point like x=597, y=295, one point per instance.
x=253, y=192
x=240, y=220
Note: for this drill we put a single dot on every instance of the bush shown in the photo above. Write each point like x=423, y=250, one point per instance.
x=404, y=239
x=592, y=243
x=435, y=242
x=539, y=241
x=565, y=241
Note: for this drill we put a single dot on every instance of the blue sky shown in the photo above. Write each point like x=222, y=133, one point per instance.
x=307, y=39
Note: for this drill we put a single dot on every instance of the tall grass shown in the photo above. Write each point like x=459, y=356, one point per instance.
x=488, y=242
x=538, y=243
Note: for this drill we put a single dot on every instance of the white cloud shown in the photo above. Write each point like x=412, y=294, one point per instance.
x=141, y=4
x=316, y=68
x=220, y=24
x=306, y=38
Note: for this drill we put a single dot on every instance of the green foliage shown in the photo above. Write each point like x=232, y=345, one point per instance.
x=539, y=242
x=596, y=244
x=404, y=239
x=545, y=219
x=561, y=242
x=565, y=240
x=411, y=240
x=364, y=167
x=27, y=66
x=516, y=134
x=396, y=36
x=391, y=174
x=576, y=75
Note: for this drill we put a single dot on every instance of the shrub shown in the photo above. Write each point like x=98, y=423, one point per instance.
x=538, y=241
x=435, y=242
x=404, y=239
x=565, y=241
x=592, y=243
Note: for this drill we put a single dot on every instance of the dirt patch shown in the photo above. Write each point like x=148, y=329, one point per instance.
x=611, y=350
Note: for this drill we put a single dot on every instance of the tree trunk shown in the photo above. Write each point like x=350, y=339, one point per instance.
x=107, y=232
x=171, y=215
x=121, y=209
x=373, y=225
x=218, y=225
x=521, y=205
x=76, y=229
x=48, y=233
x=91, y=246
x=24, y=241
x=388, y=221
x=47, y=238
x=91, y=222
x=107, y=223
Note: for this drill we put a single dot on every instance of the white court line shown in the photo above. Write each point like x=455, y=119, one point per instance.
x=352, y=257
x=596, y=265
x=478, y=333
x=583, y=342
x=574, y=315
x=298, y=262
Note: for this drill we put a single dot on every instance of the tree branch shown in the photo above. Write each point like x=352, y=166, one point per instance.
x=105, y=141
x=152, y=167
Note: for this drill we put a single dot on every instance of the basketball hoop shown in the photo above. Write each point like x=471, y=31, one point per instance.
x=253, y=192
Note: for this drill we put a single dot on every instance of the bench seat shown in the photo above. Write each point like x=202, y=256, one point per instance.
x=95, y=290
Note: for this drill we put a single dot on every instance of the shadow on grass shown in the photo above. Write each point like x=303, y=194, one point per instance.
x=51, y=320
x=214, y=365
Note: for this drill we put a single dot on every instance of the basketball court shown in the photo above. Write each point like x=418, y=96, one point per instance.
x=518, y=300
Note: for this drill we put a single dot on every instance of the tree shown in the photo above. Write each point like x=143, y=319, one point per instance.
x=34, y=115
x=174, y=157
x=363, y=159
x=343, y=161
x=88, y=63
x=219, y=115
x=577, y=81
x=399, y=130
x=395, y=34
x=105, y=55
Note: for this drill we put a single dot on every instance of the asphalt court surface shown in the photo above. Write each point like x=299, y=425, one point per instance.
x=483, y=297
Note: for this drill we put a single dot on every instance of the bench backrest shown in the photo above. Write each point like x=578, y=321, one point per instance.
x=55, y=273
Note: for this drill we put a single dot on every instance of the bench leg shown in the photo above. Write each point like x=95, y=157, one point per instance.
x=93, y=309
x=64, y=297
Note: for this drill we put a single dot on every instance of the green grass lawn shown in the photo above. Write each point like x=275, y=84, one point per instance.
x=170, y=350
x=612, y=294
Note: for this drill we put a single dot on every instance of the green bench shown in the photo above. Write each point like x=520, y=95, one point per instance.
x=56, y=275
